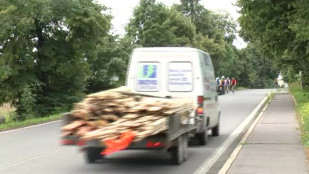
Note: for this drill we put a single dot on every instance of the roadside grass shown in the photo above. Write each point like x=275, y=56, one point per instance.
x=241, y=88
x=302, y=109
x=270, y=97
x=6, y=110
x=18, y=124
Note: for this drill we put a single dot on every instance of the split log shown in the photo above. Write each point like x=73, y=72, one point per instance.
x=84, y=130
x=106, y=115
x=73, y=125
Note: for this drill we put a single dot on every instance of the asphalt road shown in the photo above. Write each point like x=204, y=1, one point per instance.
x=36, y=150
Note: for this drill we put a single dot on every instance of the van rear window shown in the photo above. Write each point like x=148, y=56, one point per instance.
x=147, y=77
x=180, y=76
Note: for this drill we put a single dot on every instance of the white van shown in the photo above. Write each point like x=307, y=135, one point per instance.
x=178, y=72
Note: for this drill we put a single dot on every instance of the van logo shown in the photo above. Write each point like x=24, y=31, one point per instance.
x=148, y=71
x=147, y=78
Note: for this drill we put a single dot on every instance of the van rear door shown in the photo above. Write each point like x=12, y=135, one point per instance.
x=175, y=74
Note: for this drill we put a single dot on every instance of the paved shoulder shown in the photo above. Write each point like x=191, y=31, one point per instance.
x=275, y=145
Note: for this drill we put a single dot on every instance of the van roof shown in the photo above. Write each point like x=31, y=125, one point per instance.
x=168, y=49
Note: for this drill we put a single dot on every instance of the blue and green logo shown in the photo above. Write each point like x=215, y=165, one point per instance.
x=147, y=71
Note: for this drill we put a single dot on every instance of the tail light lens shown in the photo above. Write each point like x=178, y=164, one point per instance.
x=67, y=142
x=81, y=143
x=151, y=144
x=200, y=110
x=200, y=102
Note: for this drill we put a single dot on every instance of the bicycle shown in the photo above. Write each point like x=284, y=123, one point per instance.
x=227, y=88
x=233, y=88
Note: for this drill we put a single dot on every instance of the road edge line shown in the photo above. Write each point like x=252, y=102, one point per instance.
x=210, y=161
x=28, y=127
x=237, y=150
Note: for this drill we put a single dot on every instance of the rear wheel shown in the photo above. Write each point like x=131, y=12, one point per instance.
x=185, y=149
x=180, y=151
x=215, y=131
x=93, y=154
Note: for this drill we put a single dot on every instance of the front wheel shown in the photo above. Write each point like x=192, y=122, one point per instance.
x=233, y=88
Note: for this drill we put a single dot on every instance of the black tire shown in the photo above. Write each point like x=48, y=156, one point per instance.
x=93, y=154
x=202, y=137
x=185, y=148
x=178, y=152
x=215, y=131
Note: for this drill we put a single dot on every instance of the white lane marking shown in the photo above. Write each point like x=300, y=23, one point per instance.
x=235, y=153
x=211, y=160
x=19, y=129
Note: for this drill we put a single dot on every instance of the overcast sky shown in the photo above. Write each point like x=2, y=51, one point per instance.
x=122, y=11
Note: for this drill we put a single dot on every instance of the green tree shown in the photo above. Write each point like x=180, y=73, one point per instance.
x=258, y=72
x=109, y=69
x=154, y=24
x=279, y=30
x=149, y=26
x=26, y=105
x=47, y=44
x=199, y=15
x=215, y=25
x=215, y=34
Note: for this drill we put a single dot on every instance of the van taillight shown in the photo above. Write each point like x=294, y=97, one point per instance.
x=200, y=110
x=200, y=102
x=151, y=144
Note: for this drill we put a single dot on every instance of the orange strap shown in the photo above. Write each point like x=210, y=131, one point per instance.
x=119, y=144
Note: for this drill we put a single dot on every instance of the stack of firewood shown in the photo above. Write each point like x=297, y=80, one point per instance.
x=108, y=114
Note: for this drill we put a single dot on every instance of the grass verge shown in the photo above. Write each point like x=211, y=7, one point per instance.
x=302, y=109
x=241, y=88
x=33, y=121
x=5, y=110
x=270, y=97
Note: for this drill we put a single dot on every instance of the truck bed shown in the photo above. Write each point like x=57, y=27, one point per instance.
x=176, y=128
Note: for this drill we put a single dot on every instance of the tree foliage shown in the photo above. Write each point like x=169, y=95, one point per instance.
x=279, y=29
x=52, y=52
x=257, y=72
x=191, y=24
x=108, y=69
x=154, y=24
x=215, y=34
x=45, y=46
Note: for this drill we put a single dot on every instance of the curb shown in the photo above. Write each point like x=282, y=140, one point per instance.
x=236, y=151
x=210, y=161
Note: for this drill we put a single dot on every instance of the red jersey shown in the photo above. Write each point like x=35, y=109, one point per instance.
x=234, y=81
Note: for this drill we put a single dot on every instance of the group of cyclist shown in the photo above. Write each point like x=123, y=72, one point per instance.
x=223, y=85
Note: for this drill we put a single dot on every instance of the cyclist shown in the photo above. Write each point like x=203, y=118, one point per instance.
x=223, y=84
x=223, y=81
x=234, y=83
x=218, y=81
x=227, y=84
